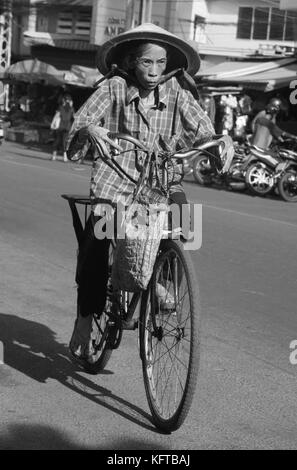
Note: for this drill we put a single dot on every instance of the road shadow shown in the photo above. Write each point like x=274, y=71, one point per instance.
x=33, y=437
x=41, y=437
x=32, y=349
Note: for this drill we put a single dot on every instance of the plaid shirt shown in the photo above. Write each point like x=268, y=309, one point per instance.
x=117, y=106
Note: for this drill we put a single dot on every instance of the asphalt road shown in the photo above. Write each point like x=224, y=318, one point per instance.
x=247, y=388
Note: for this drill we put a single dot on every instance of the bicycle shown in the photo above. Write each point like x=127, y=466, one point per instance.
x=168, y=342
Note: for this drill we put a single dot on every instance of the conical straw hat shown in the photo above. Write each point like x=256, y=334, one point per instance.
x=182, y=54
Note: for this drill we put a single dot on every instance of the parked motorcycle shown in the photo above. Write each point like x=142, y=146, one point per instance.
x=287, y=184
x=273, y=169
x=206, y=167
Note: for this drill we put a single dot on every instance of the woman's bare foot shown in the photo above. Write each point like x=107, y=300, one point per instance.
x=81, y=345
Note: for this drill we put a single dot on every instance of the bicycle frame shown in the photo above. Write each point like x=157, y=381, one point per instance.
x=124, y=306
x=122, y=303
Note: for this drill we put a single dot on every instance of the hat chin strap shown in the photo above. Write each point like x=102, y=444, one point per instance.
x=184, y=79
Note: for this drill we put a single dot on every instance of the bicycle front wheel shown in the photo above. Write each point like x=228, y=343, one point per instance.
x=169, y=337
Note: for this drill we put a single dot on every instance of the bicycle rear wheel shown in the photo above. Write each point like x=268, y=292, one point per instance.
x=169, y=339
x=104, y=331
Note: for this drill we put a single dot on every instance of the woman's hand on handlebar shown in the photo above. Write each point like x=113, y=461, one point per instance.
x=99, y=136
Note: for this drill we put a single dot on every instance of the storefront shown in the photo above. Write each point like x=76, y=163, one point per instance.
x=35, y=92
x=258, y=80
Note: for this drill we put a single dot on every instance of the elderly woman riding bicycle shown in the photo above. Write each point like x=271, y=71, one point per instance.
x=147, y=97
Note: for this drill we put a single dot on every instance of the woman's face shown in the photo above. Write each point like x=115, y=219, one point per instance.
x=150, y=63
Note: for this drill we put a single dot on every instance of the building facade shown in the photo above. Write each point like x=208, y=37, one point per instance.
x=219, y=28
x=111, y=16
x=57, y=32
x=247, y=27
x=66, y=32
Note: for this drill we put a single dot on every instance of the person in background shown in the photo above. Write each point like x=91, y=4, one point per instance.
x=64, y=116
x=16, y=115
x=264, y=126
x=208, y=105
x=24, y=103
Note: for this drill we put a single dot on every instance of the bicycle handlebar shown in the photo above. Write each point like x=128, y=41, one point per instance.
x=181, y=154
x=218, y=140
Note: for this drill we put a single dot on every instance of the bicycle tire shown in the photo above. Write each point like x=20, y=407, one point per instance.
x=103, y=331
x=171, y=418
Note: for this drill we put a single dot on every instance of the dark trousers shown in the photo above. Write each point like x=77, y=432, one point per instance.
x=60, y=140
x=92, y=265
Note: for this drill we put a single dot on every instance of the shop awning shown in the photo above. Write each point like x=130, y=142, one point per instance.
x=70, y=3
x=271, y=80
x=231, y=68
x=88, y=75
x=220, y=90
x=33, y=70
x=266, y=76
x=37, y=38
x=215, y=70
x=82, y=76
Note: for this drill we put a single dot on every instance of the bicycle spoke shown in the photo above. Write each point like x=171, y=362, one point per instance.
x=177, y=383
x=168, y=350
x=173, y=364
x=164, y=386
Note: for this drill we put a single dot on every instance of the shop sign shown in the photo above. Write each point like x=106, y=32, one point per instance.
x=109, y=18
x=114, y=26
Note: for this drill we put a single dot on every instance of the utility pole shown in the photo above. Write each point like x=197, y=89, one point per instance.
x=130, y=14
x=145, y=12
x=5, y=41
x=149, y=7
x=142, y=11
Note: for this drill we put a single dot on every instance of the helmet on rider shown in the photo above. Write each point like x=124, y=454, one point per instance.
x=274, y=106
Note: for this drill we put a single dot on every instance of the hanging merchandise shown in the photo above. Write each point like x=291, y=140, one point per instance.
x=228, y=103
